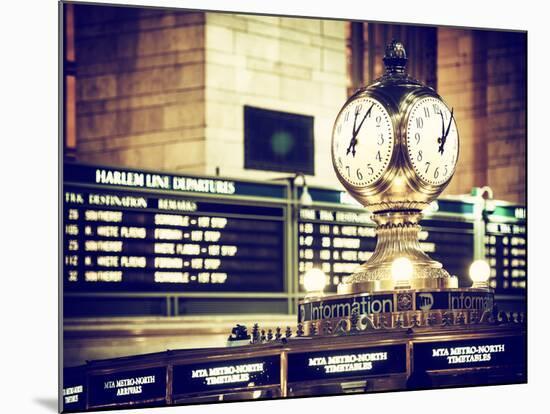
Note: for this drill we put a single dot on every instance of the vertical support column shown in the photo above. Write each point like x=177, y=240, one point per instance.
x=296, y=246
x=284, y=374
x=479, y=108
x=87, y=382
x=290, y=247
x=430, y=57
x=480, y=205
x=357, y=55
x=169, y=380
x=176, y=306
x=410, y=358
x=479, y=230
x=371, y=54
x=69, y=81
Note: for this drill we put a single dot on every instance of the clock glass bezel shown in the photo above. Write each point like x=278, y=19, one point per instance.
x=417, y=181
x=389, y=170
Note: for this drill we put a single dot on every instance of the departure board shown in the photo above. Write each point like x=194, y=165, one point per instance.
x=334, y=241
x=133, y=240
x=139, y=242
x=506, y=248
x=337, y=240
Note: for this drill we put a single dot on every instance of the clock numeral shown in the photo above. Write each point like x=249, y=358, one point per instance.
x=436, y=172
x=419, y=122
x=359, y=174
x=419, y=156
x=436, y=109
x=346, y=116
x=427, y=167
x=348, y=171
x=380, y=140
x=378, y=120
x=339, y=128
x=426, y=111
x=378, y=156
x=340, y=163
x=417, y=137
x=371, y=170
x=446, y=171
x=358, y=109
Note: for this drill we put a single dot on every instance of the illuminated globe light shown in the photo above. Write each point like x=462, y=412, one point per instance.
x=479, y=273
x=315, y=281
x=401, y=272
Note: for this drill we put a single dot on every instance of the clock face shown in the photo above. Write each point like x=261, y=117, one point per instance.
x=362, y=141
x=432, y=140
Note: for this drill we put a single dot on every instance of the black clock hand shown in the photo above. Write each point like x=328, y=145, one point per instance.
x=440, y=139
x=357, y=111
x=450, y=121
x=352, y=140
x=444, y=136
x=365, y=117
x=356, y=132
x=442, y=127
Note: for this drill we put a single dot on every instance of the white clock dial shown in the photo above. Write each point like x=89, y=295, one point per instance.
x=362, y=141
x=432, y=140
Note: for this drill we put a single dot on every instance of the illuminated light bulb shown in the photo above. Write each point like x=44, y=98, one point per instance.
x=479, y=273
x=401, y=272
x=315, y=281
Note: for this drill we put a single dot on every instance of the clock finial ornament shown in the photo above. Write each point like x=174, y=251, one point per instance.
x=395, y=58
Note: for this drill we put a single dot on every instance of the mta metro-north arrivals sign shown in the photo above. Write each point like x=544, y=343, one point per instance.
x=141, y=385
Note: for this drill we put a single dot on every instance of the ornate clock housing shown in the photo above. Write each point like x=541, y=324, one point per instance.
x=402, y=154
x=394, y=148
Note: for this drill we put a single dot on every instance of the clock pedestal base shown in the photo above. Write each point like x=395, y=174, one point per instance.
x=397, y=233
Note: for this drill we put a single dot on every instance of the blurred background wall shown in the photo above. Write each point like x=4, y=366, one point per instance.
x=165, y=89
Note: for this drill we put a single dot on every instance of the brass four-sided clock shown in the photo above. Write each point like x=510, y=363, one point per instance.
x=395, y=148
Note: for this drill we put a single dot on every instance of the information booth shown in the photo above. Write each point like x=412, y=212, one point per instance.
x=364, y=359
x=151, y=244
